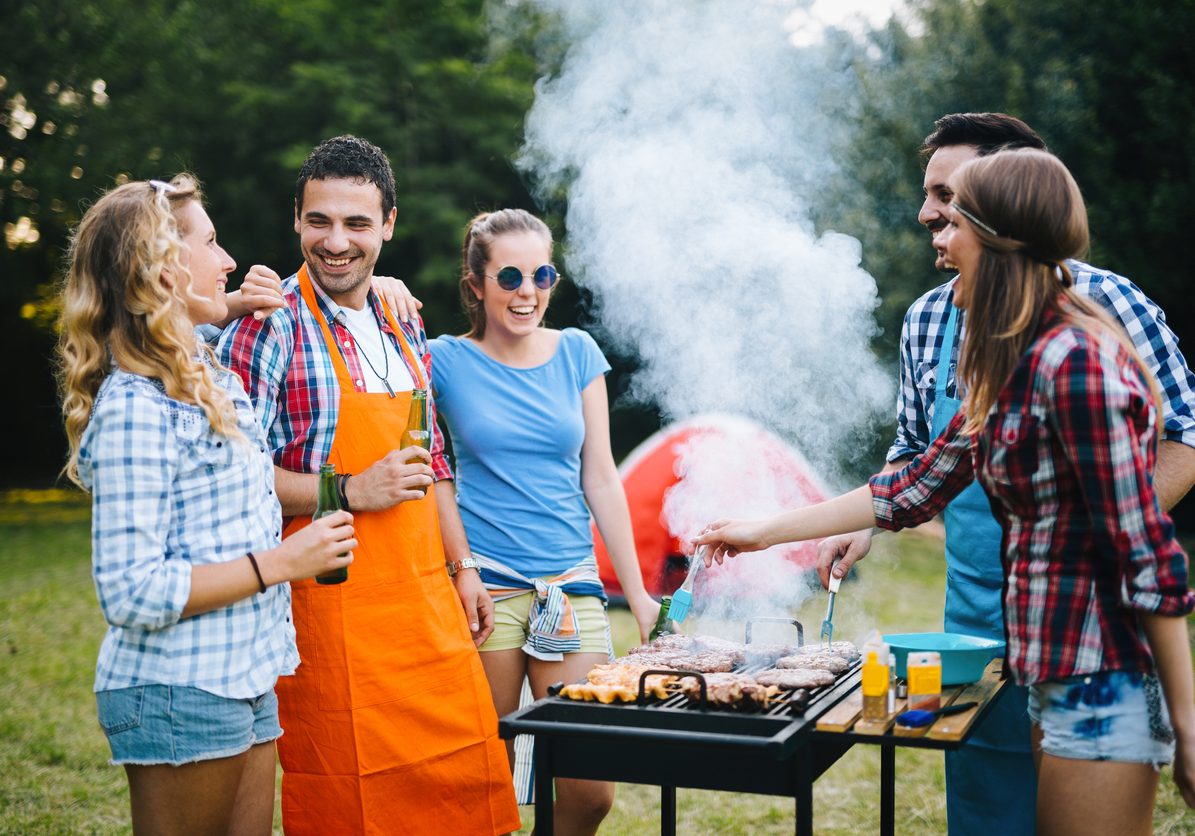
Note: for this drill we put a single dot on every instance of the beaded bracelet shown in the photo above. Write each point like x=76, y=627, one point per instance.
x=261, y=583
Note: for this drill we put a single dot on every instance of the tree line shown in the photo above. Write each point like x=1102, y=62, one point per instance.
x=92, y=93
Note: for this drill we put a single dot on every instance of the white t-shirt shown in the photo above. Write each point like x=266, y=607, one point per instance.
x=373, y=349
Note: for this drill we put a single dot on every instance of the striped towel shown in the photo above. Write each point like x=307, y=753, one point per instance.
x=552, y=626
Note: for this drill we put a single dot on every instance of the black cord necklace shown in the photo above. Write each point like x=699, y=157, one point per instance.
x=385, y=355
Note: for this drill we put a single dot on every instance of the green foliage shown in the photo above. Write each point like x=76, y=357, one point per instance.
x=98, y=93
x=244, y=111
x=1103, y=82
x=92, y=93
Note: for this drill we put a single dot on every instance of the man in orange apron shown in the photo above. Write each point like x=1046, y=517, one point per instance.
x=388, y=723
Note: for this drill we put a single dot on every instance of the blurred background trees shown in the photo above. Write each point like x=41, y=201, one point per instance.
x=93, y=93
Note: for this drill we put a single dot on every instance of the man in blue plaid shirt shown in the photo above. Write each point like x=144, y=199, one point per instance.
x=991, y=783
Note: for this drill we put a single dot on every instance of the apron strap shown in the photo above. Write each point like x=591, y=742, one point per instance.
x=943, y=370
x=307, y=289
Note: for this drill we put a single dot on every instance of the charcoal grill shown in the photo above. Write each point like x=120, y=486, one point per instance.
x=681, y=743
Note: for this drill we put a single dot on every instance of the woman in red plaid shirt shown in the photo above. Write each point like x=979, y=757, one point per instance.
x=1060, y=425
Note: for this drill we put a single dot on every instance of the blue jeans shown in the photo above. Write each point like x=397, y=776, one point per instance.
x=175, y=724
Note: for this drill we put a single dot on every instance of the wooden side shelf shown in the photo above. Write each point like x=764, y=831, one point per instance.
x=847, y=716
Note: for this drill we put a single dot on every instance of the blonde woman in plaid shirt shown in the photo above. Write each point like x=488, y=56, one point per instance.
x=188, y=565
x=1060, y=426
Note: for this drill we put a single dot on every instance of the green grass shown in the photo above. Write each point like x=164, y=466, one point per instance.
x=53, y=756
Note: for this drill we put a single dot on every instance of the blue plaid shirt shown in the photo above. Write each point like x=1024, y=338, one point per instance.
x=925, y=325
x=170, y=493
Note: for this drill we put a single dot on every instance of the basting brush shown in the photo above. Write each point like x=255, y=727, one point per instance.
x=828, y=621
x=683, y=597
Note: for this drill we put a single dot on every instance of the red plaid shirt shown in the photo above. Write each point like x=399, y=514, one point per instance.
x=1066, y=457
x=289, y=375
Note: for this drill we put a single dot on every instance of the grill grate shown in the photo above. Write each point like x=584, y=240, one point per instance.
x=789, y=703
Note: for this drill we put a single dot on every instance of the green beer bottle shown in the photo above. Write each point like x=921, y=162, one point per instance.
x=663, y=625
x=417, y=432
x=328, y=502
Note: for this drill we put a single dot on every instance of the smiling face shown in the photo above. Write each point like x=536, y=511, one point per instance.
x=341, y=230
x=207, y=262
x=938, y=194
x=958, y=245
x=513, y=314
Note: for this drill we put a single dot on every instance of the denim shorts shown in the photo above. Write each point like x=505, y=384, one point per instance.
x=175, y=724
x=1106, y=716
x=511, y=627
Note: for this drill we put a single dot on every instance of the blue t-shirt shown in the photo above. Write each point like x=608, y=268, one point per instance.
x=517, y=436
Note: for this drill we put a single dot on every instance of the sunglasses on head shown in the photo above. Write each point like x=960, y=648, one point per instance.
x=161, y=187
x=511, y=278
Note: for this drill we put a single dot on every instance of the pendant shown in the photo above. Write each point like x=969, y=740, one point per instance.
x=389, y=391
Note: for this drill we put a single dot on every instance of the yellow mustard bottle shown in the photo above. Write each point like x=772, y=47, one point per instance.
x=875, y=680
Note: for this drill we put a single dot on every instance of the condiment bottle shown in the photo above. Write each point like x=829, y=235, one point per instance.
x=875, y=681
x=925, y=680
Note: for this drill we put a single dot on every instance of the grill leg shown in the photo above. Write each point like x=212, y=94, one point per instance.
x=804, y=791
x=667, y=811
x=887, y=790
x=544, y=823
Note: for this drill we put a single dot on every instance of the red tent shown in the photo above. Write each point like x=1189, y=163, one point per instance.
x=695, y=471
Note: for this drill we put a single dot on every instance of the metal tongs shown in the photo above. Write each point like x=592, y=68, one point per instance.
x=828, y=621
x=683, y=597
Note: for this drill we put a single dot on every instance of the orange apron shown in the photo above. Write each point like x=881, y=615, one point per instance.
x=389, y=724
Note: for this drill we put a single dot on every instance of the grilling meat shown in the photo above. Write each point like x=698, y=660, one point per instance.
x=846, y=650
x=766, y=655
x=718, y=645
x=730, y=689
x=707, y=661
x=811, y=666
x=668, y=659
x=814, y=661
x=617, y=683
x=692, y=646
x=789, y=678
x=668, y=641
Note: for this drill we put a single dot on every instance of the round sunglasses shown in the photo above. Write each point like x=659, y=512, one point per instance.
x=511, y=278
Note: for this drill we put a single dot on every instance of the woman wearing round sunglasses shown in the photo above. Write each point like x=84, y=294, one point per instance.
x=526, y=410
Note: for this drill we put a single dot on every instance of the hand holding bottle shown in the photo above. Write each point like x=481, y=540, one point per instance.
x=399, y=476
x=324, y=546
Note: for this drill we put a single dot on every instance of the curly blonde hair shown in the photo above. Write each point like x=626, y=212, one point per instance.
x=118, y=309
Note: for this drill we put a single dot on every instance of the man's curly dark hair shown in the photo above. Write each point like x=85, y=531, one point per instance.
x=350, y=158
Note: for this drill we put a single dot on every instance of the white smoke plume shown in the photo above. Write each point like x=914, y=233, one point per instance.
x=692, y=138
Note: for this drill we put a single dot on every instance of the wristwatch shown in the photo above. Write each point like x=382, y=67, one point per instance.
x=455, y=566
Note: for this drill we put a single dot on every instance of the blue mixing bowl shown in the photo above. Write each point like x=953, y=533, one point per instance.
x=964, y=658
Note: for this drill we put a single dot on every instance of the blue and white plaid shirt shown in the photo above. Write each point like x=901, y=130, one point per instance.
x=169, y=493
x=925, y=325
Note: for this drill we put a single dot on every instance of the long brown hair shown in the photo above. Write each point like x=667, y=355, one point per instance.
x=1035, y=207
x=475, y=255
x=116, y=308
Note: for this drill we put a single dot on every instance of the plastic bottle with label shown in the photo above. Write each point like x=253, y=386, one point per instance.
x=876, y=679
x=925, y=680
